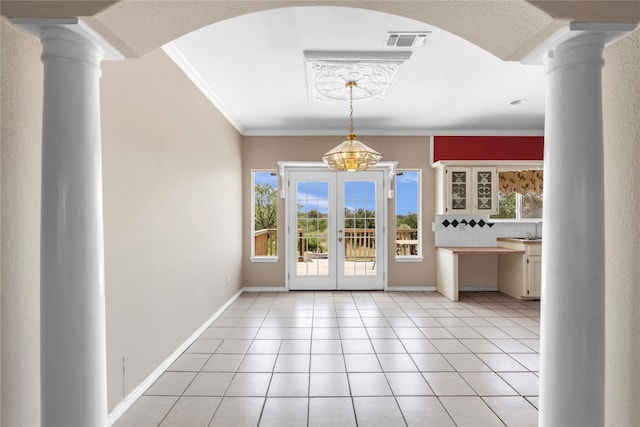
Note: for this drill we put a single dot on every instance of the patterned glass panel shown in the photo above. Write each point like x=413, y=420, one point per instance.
x=483, y=183
x=459, y=190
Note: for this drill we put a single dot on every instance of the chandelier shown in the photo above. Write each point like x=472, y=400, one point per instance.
x=351, y=155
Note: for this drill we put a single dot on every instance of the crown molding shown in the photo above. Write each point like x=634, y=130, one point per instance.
x=395, y=132
x=183, y=63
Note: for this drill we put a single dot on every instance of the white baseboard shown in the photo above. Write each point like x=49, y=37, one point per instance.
x=389, y=289
x=477, y=289
x=264, y=289
x=144, y=385
x=410, y=289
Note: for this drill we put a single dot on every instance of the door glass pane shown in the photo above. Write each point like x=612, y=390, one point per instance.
x=312, y=198
x=359, y=232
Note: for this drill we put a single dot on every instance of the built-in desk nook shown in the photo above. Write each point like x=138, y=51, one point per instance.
x=447, y=265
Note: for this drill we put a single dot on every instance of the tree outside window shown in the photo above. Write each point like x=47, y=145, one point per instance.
x=408, y=213
x=520, y=200
x=265, y=213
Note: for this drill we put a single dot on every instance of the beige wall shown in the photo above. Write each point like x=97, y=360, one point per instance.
x=21, y=103
x=410, y=152
x=20, y=173
x=172, y=174
x=172, y=208
x=621, y=104
x=478, y=271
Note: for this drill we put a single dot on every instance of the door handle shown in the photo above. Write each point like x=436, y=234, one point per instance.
x=339, y=239
x=339, y=231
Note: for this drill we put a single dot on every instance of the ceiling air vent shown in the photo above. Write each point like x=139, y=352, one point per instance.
x=406, y=39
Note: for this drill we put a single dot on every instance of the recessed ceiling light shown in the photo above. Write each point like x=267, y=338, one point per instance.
x=519, y=101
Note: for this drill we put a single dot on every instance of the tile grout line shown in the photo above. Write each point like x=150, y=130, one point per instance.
x=398, y=302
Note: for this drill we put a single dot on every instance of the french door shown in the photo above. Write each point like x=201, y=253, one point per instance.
x=336, y=235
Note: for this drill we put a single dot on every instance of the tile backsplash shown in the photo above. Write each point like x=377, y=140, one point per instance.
x=478, y=230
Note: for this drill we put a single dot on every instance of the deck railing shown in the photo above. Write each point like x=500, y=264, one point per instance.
x=265, y=242
x=359, y=242
x=406, y=241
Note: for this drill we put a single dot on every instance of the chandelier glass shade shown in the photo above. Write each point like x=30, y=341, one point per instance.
x=351, y=155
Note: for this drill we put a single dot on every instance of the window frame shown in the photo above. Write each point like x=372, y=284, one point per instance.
x=419, y=257
x=263, y=258
x=517, y=167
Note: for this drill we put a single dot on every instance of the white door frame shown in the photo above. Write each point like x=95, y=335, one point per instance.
x=286, y=168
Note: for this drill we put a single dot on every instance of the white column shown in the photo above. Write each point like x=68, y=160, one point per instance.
x=572, y=324
x=572, y=342
x=72, y=305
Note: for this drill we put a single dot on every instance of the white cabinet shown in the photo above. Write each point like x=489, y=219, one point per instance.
x=520, y=275
x=458, y=190
x=466, y=190
x=534, y=276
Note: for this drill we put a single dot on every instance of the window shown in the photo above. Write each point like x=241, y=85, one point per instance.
x=408, y=215
x=264, y=215
x=520, y=195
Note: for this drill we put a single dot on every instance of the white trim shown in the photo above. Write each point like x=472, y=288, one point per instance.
x=264, y=289
x=394, y=132
x=411, y=289
x=409, y=258
x=131, y=398
x=477, y=288
x=264, y=259
x=420, y=256
x=183, y=63
x=431, y=147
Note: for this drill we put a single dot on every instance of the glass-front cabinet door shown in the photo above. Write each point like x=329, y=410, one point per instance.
x=458, y=190
x=485, y=197
x=471, y=190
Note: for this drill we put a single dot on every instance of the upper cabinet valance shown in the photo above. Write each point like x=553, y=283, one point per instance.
x=498, y=148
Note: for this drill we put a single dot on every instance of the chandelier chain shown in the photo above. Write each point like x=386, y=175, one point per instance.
x=351, y=155
x=351, y=85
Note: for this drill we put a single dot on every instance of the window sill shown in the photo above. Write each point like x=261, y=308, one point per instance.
x=264, y=259
x=413, y=258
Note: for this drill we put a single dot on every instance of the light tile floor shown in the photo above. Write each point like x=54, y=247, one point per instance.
x=355, y=359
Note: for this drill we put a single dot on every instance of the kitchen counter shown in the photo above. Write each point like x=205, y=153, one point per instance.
x=480, y=250
x=447, y=265
x=520, y=240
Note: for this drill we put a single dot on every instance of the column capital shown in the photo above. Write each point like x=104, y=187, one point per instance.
x=609, y=32
x=35, y=27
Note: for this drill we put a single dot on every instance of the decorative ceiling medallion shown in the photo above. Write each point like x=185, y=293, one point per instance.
x=374, y=72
